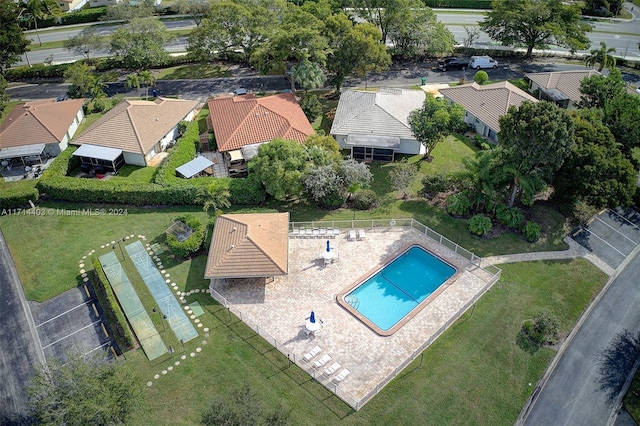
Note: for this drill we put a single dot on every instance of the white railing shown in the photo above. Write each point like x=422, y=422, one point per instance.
x=372, y=224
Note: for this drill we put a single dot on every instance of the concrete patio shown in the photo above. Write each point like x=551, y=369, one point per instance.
x=277, y=309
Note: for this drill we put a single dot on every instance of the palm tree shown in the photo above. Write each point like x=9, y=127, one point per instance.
x=32, y=10
x=133, y=82
x=308, y=75
x=214, y=196
x=147, y=78
x=602, y=56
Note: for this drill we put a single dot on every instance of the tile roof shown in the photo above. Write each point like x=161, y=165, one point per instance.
x=487, y=103
x=244, y=120
x=136, y=126
x=383, y=113
x=249, y=245
x=44, y=121
x=567, y=82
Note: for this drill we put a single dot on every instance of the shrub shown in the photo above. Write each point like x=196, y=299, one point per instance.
x=458, y=204
x=365, y=199
x=434, y=184
x=17, y=197
x=37, y=71
x=193, y=243
x=481, y=77
x=531, y=231
x=479, y=225
x=333, y=200
x=331, y=114
x=311, y=106
x=510, y=217
x=479, y=140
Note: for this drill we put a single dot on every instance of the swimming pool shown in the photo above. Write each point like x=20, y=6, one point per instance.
x=401, y=287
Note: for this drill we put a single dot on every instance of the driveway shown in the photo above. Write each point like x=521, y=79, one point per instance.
x=20, y=350
x=584, y=386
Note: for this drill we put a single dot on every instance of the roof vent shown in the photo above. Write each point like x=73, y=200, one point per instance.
x=234, y=229
x=157, y=119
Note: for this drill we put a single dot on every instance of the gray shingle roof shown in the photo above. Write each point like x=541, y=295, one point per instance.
x=487, y=103
x=382, y=113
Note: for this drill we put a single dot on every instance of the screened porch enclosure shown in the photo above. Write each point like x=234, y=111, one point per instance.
x=100, y=158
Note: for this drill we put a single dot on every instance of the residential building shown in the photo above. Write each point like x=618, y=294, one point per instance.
x=561, y=87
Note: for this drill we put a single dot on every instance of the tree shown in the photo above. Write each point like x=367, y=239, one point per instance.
x=311, y=106
x=132, y=81
x=125, y=11
x=401, y=176
x=384, y=14
x=418, y=32
x=472, y=34
x=487, y=178
x=85, y=42
x=329, y=143
x=355, y=175
x=231, y=28
x=434, y=121
x=621, y=117
x=481, y=77
x=4, y=97
x=139, y=44
x=324, y=184
x=84, y=390
x=215, y=196
x=82, y=80
x=280, y=165
x=536, y=138
x=33, y=10
x=536, y=24
x=355, y=49
x=603, y=56
x=13, y=42
x=598, y=89
x=309, y=75
x=148, y=79
x=197, y=9
x=595, y=172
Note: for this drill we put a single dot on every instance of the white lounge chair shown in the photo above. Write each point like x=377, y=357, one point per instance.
x=309, y=232
x=316, y=232
x=313, y=352
x=295, y=232
x=336, y=231
x=323, y=232
x=341, y=376
x=361, y=234
x=322, y=361
x=329, y=371
x=352, y=234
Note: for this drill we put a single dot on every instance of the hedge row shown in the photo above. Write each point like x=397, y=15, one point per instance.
x=14, y=198
x=459, y=4
x=37, y=71
x=77, y=17
x=115, y=316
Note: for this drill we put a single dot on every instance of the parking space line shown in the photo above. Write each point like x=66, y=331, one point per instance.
x=623, y=255
x=616, y=231
x=98, y=347
x=64, y=313
x=71, y=334
x=625, y=219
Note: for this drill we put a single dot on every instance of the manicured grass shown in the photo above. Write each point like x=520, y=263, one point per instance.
x=89, y=119
x=193, y=71
x=18, y=184
x=136, y=174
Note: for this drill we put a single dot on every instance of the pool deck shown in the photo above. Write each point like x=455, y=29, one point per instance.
x=279, y=308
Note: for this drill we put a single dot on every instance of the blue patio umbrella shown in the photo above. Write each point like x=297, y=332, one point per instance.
x=312, y=318
x=328, y=246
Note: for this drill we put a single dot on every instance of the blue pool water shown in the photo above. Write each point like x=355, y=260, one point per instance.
x=399, y=287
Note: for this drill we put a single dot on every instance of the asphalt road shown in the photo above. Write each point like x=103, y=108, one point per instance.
x=20, y=350
x=585, y=385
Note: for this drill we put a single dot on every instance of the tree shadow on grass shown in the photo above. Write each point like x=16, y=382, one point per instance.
x=616, y=361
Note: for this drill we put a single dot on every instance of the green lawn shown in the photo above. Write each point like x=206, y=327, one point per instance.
x=136, y=174
x=193, y=71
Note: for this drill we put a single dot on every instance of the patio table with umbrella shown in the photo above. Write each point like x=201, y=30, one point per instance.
x=328, y=255
x=312, y=325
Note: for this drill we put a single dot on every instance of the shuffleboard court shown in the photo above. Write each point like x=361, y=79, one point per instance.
x=143, y=327
x=155, y=282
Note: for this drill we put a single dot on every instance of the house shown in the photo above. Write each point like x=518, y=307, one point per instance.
x=242, y=123
x=484, y=105
x=375, y=125
x=561, y=87
x=133, y=132
x=249, y=246
x=71, y=5
x=39, y=129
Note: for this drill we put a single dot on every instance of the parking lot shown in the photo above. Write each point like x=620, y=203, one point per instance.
x=71, y=323
x=612, y=235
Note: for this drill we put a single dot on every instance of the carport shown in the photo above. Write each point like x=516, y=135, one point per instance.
x=195, y=167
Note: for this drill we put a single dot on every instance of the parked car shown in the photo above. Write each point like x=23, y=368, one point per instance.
x=453, y=64
x=479, y=62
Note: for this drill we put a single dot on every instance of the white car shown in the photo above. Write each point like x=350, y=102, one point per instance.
x=478, y=62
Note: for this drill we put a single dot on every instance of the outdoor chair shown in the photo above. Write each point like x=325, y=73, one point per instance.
x=352, y=234
x=295, y=232
x=336, y=231
x=322, y=361
x=329, y=371
x=341, y=376
x=309, y=232
x=330, y=232
x=313, y=352
x=323, y=232
x=316, y=232
x=361, y=234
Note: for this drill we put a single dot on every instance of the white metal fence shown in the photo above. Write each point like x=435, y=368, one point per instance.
x=343, y=225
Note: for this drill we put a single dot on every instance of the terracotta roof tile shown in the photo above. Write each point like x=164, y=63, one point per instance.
x=244, y=120
x=487, y=103
x=249, y=245
x=44, y=121
x=136, y=126
x=567, y=82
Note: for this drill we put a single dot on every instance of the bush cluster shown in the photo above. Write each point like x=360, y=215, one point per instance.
x=479, y=225
x=510, y=217
x=193, y=243
x=37, y=71
x=365, y=199
x=531, y=231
